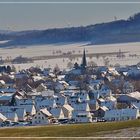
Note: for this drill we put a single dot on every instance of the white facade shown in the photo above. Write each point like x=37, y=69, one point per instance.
x=12, y=116
x=128, y=88
x=109, y=102
x=82, y=113
x=121, y=114
x=82, y=117
x=67, y=110
x=42, y=117
x=2, y=118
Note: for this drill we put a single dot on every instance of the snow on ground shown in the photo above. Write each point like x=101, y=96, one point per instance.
x=44, y=50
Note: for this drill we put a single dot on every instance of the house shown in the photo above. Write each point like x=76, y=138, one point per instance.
x=41, y=88
x=64, y=83
x=93, y=105
x=20, y=94
x=48, y=93
x=99, y=90
x=61, y=99
x=121, y=114
x=82, y=117
x=57, y=112
x=67, y=110
x=5, y=99
x=81, y=106
x=2, y=84
x=23, y=101
x=105, y=91
x=59, y=86
x=128, y=87
x=12, y=116
x=46, y=103
x=81, y=113
x=109, y=102
x=73, y=83
x=21, y=75
x=8, y=90
x=37, y=78
x=100, y=112
x=2, y=118
x=113, y=71
x=137, y=104
x=46, y=71
x=21, y=113
x=42, y=117
x=133, y=73
x=30, y=109
x=130, y=97
x=83, y=95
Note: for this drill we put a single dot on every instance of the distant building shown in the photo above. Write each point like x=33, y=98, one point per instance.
x=20, y=59
x=84, y=61
x=77, y=70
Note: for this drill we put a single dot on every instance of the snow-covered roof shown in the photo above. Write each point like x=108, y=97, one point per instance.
x=2, y=82
x=2, y=117
x=135, y=95
x=64, y=82
x=6, y=97
x=51, y=74
x=20, y=75
x=75, y=71
x=45, y=112
x=137, y=104
x=26, y=102
x=42, y=85
x=104, y=108
x=68, y=107
x=37, y=78
x=46, y=103
x=60, y=77
x=8, y=90
x=111, y=98
x=47, y=92
x=101, y=100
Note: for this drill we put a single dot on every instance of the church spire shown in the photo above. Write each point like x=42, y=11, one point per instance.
x=84, y=61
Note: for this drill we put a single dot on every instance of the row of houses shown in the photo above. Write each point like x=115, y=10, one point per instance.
x=52, y=109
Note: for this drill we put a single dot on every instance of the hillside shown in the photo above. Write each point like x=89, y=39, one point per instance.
x=110, y=129
x=120, y=31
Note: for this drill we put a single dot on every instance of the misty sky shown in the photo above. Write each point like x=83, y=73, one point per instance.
x=16, y=16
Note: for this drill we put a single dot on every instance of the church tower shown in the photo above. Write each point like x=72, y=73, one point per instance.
x=84, y=61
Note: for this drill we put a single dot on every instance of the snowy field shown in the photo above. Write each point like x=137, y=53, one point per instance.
x=44, y=50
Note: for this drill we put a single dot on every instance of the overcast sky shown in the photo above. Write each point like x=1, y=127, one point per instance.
x=26, y=16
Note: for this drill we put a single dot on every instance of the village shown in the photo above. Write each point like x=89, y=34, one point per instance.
x=83, y=94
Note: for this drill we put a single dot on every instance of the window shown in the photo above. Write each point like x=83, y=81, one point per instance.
x=42, y=118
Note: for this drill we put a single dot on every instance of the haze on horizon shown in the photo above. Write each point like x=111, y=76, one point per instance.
x=43, y=16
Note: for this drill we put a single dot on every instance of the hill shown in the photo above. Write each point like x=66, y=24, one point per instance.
x=75, y=130
x=119, y=31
